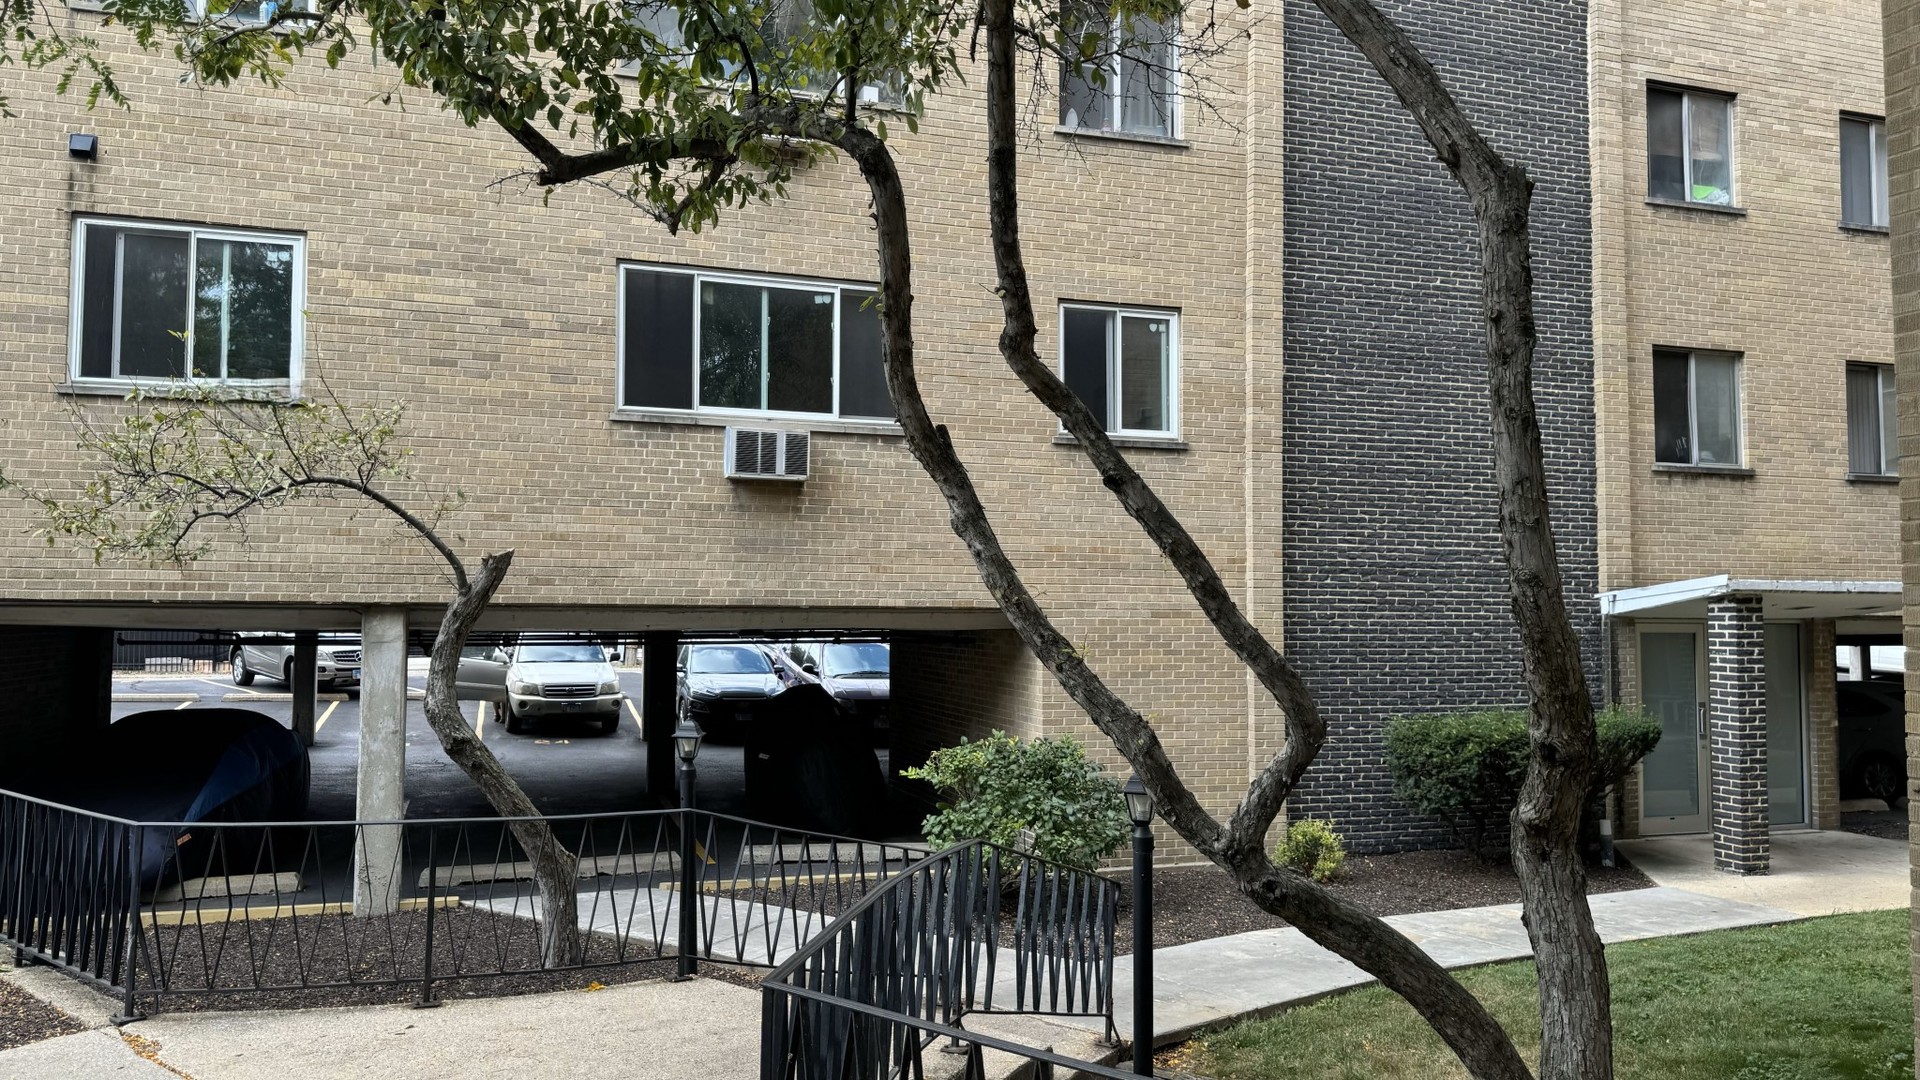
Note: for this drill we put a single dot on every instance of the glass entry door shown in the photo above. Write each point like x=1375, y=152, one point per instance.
x=1673, y=689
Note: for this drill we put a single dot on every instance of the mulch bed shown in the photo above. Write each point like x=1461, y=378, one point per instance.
x=1200, y=903
x=380, y=958
x=1885, y=824
x=26, y=1019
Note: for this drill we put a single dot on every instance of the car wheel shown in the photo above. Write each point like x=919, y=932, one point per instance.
x=242, y=674
x=610, y=724
x=286, y=674
x=515, y=725
x=1882, y=777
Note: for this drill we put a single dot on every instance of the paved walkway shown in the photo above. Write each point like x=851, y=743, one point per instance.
x=1814, y=873
x=709, y=1030
x=1205, y=983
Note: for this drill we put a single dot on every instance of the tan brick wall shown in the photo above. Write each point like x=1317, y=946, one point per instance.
x=1783, y=285
x=1902, y=44
x=490, y=314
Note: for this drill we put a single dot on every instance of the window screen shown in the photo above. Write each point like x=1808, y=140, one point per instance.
x=1086, y=335
x=658, y=336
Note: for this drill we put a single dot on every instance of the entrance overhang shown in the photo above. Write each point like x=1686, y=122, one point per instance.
x=1780, y=598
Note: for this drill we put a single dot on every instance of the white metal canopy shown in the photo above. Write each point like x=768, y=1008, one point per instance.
x=1780, y=599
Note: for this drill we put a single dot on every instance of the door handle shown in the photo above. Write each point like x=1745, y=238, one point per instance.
x=1703, y=721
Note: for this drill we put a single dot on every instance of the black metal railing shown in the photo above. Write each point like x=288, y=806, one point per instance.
x=970, y=931
x=153, y=910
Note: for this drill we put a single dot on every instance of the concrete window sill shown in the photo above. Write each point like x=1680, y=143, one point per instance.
x=1705, y=208
x=1734, y=471
x=1130, y=442
x=1872, y=478
x=1121, y=136
x=629, y=415
x=1869, y=230
x=277, y=394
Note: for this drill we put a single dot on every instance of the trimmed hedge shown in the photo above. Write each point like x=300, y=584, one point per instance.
x=1466, y=768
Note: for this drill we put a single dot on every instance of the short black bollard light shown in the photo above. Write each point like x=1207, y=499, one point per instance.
x=686, y=743
x=1140, y=809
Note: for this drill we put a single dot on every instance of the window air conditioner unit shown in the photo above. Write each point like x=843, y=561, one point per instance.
x=765, y=454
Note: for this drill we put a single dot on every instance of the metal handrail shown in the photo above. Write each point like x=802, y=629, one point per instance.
x=912, y=959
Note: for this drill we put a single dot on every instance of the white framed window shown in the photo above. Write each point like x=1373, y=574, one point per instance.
x=156, y=302
x=1124, y=363
x=786, y=19
x=1689, y=146
x=1133, y=87
x=750, y=345
x=1873, y=436
x=1863, y=171
x=247, y=12
x=1696, y=407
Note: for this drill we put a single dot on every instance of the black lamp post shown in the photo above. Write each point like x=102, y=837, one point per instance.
x=686, y=743
x=1140, y=809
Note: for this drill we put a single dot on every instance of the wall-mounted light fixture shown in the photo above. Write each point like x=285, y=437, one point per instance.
x=83, y=146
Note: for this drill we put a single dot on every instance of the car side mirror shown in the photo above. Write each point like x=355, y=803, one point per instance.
x=809, y=669
x=500, y=655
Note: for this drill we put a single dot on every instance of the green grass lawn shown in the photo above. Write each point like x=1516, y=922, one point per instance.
x=1825, y=999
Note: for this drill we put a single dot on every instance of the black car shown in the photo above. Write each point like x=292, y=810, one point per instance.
x=719, y=684
x=1872, y=739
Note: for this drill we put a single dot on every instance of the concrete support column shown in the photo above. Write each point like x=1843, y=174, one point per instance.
x=659, y=697
x=1823, y=728
x=305, y=685
x=381, y=789
x=1737, y=733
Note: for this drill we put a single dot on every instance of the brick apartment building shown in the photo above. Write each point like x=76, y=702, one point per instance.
x=1743, y=385
x=1274, y=298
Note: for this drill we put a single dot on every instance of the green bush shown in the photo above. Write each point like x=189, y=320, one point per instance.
x=1312, y=848
x=1466, y=768
x=999, y=786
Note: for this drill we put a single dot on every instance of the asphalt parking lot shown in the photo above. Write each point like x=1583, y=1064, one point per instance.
x=564, y=768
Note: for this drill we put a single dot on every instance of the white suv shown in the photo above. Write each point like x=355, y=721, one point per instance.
x=532, y=682
x=338, y=663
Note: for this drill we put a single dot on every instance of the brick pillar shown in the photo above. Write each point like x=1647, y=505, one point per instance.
x=1823, y=726
x=1737, y=731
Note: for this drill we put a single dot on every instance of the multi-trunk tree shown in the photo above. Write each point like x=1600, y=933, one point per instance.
x=727, y=100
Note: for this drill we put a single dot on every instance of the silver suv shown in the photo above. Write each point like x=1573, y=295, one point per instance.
x=536, y=682
x=339, y=663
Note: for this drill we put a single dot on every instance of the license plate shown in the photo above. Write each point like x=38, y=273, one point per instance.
x=354, y=674
x=573, y=706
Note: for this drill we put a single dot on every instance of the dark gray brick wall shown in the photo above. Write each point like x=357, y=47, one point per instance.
x=1395, y=588
x=1737, y=733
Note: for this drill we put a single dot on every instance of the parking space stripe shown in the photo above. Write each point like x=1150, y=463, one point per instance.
x=480, y=725
x=635, y=712
x=322, y=722
x=235, y=689
x=184, y=704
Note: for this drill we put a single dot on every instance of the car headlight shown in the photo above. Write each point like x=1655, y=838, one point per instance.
x=610, y=686
x=524, y=688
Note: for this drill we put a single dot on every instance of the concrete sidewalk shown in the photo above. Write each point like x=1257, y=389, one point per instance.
x=699, y=1030
x=1814, y=873
x=1208, y=983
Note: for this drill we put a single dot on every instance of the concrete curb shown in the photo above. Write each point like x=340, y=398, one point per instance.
x=156, y=697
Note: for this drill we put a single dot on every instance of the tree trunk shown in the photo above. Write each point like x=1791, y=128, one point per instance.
x=1575, y=1000
x=555, y=869
x=1334, y=923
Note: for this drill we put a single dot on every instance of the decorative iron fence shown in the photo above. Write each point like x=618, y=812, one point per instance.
x=972, y=930
x=152, y=910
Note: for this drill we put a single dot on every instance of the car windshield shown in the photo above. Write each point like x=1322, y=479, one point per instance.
x=561, y=654
x=857, y=661
x=728, y=660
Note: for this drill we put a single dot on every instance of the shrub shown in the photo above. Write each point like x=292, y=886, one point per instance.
x=998, y=786
x=1312, y=848
x=1466, y=768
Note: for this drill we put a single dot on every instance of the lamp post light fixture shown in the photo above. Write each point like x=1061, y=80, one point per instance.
x=686, y=744
x=1140, y=809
